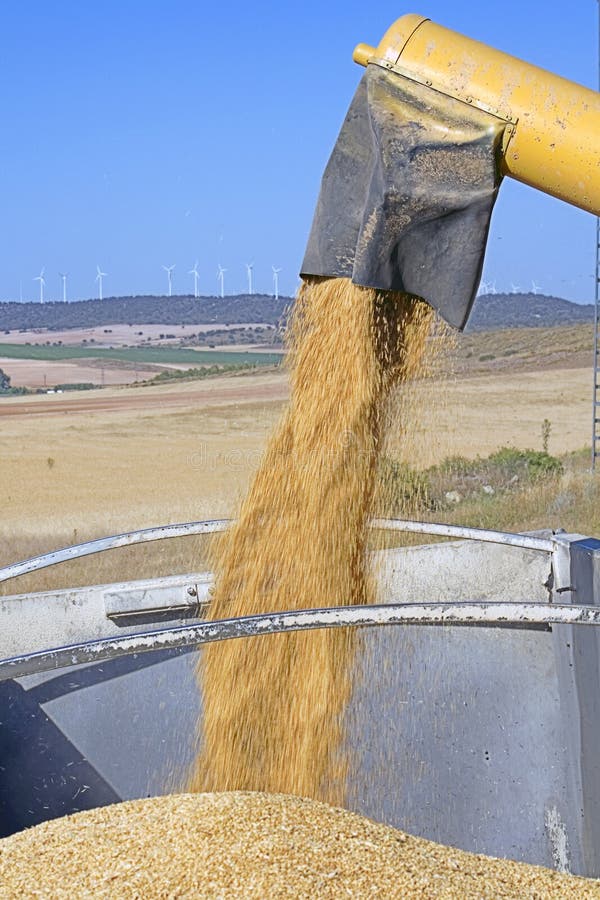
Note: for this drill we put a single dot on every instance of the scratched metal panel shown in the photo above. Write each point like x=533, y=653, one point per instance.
x=459, y=737
x=55, y=618
x=459, y=733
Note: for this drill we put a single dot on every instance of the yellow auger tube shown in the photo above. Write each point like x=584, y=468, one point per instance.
x=553, y=140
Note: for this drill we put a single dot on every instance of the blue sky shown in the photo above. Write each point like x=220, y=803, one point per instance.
x=138, y=134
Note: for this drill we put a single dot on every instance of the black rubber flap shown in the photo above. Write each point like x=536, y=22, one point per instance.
x=407, y=195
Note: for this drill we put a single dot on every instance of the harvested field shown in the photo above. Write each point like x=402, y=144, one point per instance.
x=134, y=457
x=35, y=373
x=476, y=415
x=109, y=446
x=118, y=335
x=523, y=349
x=244, y=388
x=480, y=353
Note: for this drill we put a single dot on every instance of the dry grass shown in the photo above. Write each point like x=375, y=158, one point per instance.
x=131, y=458
x=36, y=373
x=71, y=478
x=571, y=502
x=522, y=349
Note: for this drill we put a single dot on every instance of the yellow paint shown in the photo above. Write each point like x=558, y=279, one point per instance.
x=555, y=142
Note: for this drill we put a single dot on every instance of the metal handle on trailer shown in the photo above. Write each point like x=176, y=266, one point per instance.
x=212, y=526
x=516, y=615
x=467, y=613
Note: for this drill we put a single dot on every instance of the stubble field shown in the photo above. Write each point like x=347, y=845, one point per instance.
x=78, y=467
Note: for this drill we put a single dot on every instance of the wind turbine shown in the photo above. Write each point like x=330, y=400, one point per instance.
x=169, y=271
x=196, y=274
x=220, y=278
x=535, y=287
x=276, y=281
x=100, y=275
x=484, y=288
x=63, y=276
x=250, y=271
x=515, y=288
x=42, y=282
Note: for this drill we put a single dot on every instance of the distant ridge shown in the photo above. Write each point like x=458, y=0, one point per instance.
x=144, y=310
x=490, y=312
x=494, y=311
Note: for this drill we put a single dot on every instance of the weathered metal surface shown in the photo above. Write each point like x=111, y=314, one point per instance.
x=578, y=670
x=407, y=195
x=33, y=622
x=525, y=541
x=457, y=570
x=130, y=603
x=554, y=140
x=39, y=621
x=464, y=613
x=458, y=736
x=443, y=724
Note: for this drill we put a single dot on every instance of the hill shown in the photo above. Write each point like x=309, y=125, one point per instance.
x=493, y=311
x=501, y=350
x=143, y=310
x=490, y=312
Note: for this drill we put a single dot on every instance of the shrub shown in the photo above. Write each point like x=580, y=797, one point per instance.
x=401, y=490
x=534, y=464
x=405, y=491
x=546, y=429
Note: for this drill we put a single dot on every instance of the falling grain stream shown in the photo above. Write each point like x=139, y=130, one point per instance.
x=273, y=706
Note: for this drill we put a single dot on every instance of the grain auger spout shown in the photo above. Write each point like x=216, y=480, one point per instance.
x=437, y=121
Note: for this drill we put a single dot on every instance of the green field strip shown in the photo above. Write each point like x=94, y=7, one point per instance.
x=157, y=355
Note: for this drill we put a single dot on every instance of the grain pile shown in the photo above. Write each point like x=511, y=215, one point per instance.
x=273, y=706
x=253, y=846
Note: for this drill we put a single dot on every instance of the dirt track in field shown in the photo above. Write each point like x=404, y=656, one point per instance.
x=150, y=398
x=466, y=415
